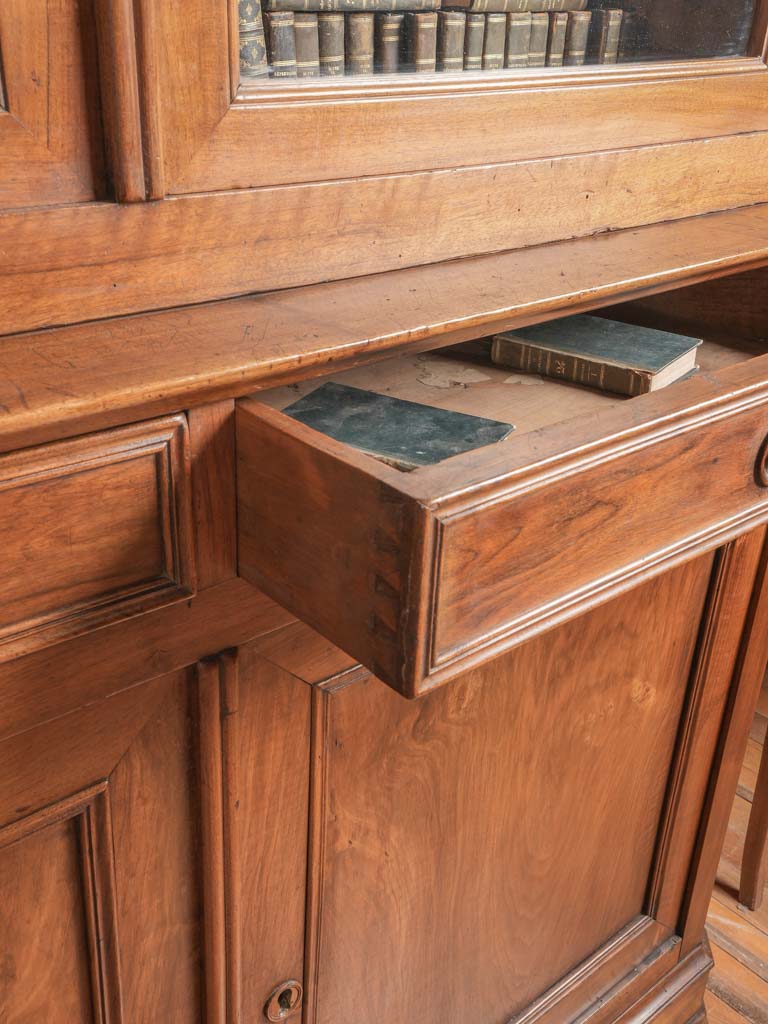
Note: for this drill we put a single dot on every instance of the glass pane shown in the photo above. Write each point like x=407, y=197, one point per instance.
x=288, y=39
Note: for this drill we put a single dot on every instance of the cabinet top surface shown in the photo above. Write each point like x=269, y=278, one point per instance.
x=68, y=380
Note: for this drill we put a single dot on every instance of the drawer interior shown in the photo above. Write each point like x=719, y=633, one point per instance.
x=420, y=575
x=463, y=379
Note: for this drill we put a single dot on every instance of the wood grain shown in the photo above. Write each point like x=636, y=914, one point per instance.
x=98, y=873
x=212, y=449
x=737, y=986
x=120, y=98
x=58, y=383
x=210, y=773
x=752, y=885
x=678, y=998
x=273, y=785
x=45, y=973
x=50, y=761
x=749, y=770
x=410, y=790
x=74, y=674
x=436, y=570
x=207, y=145
x=94, y=530
x=730, y=305
x=719, y=1012
x=204, y=247
x=745, y=688
x=231, y=793
x=155, y=822
x=716, y=656
x=395, y=128
x=50, y=137
x=738, y=936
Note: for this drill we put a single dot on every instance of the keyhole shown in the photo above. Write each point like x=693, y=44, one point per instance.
x=284, y=1001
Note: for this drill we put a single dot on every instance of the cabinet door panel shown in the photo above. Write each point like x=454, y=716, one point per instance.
x=42, y=930
x=273, y=786
x=156, y=834
x=49, y=147
x=153, y=861
x=481, y=842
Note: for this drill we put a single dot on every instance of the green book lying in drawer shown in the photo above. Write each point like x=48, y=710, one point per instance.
x=598, y=353
x=404, y=434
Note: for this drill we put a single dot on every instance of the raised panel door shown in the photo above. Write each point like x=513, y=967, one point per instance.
x=50, y=149
x=529, y=839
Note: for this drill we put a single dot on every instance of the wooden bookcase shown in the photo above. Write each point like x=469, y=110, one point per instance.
x=287, y=734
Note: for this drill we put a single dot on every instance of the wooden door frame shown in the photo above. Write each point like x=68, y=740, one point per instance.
x=49, y=145
x=204, y=131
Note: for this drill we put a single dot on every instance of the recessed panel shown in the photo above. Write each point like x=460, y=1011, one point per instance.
x=455, y=854
x=93, y=529
x=44, y=958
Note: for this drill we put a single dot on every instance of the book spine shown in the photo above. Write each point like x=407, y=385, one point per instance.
x=603, y=41
x=558, y=26
x=352, y=6
x=307, y=45
x=576, y=37
x=493, y=44
x=517, y=355
x=388, y=41
x=359, y=44
x=421, y=34
x=516, y=6
x=518, y=42
x=253, y=45
x=473, y=42
x=330, y=39
x=550, y=6
x=451, y=28
x=282, y=44
x=537, y=54
x=630, y=36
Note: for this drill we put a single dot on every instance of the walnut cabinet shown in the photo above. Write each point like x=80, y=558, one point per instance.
x=211, y=811
x=286, y=734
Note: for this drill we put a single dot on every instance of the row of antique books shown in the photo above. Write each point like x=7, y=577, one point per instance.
x=305, y=44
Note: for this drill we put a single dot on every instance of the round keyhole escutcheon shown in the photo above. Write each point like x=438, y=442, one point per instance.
x=761, y=466
x=284, y=1001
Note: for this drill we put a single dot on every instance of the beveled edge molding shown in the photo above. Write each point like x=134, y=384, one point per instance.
x=217, y=686
x=524, y=627
x=390, y=87
x=67, y=380
x=166, y=442
x=633, y=945
x=89, y=811
x=439, y=666
x=116, y=41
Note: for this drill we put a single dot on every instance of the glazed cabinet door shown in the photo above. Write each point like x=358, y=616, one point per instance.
x=153, y=852
x=49, y=114
x=534, y=841
x=595, y=146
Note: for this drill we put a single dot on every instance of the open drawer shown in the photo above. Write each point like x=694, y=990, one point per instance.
x=422, y=574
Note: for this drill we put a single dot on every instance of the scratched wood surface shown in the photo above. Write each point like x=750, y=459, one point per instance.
x=60, y=382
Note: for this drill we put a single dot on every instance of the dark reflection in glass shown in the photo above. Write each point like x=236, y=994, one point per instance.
x=333, y=38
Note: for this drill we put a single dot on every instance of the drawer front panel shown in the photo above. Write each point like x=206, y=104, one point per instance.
x=423, y=575
x=92, y=530
x=592, y=525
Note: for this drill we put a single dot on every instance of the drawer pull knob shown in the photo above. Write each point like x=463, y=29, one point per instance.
x=761, y=466
x=284, y=1001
